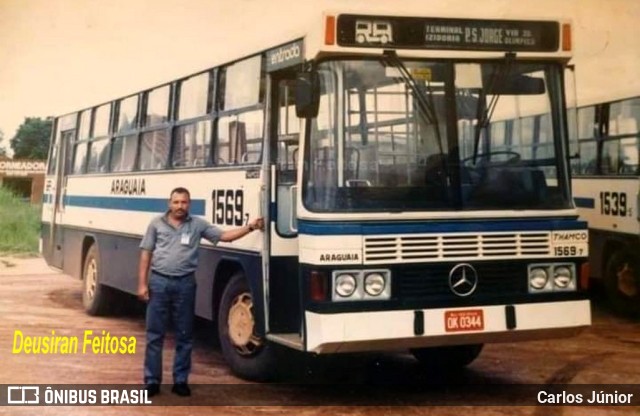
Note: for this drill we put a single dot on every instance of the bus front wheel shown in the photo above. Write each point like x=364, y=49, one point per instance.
x=622, y=283
x=447, y=358
x=96, y=298
x=248, y=354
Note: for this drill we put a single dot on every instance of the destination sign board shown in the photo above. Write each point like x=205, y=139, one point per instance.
x=445, y=33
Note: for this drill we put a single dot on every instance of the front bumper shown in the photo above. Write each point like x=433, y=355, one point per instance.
x=392, y=330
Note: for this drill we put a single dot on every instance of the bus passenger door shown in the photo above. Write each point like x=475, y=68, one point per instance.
x=56, y=234
x=284, y=308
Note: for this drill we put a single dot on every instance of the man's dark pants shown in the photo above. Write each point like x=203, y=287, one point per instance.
x=170, y=298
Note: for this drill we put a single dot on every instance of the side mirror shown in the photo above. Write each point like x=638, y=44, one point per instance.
x=307, y=94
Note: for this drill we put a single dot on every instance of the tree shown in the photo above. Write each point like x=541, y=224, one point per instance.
x=3, y=151
x=32, y=139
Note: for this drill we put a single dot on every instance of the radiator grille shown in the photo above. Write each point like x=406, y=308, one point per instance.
x=431, y=248
x=432, y=282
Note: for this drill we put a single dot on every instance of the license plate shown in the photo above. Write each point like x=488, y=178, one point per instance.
x=468, y=320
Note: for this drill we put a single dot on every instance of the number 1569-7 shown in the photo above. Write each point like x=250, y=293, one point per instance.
x=568, y=251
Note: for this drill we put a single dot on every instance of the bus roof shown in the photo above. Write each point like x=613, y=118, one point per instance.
x=445, y=36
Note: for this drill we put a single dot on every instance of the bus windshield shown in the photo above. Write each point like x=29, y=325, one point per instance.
x=416, y=135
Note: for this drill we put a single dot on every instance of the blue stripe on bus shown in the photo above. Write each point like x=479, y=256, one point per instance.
x=432, y=226
x=585, y=202
x=129, y=204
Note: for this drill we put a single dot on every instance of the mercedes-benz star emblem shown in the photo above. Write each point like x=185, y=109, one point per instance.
x=463, y=279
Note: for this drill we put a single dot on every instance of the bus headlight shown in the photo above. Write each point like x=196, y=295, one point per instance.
x=345, y=285
x=551, y=277
x=562, y=277
x=374, y=284
x=361, y=285
x=538, y=278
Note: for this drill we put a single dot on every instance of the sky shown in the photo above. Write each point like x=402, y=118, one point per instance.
x=58, y=56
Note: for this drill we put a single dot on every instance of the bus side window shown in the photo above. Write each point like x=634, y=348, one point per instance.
x=123, y=153
x=80, y=158
x=239, y=131
x=237, y=141
x=154, y=149
x=588, y=161
x=629, y=155
x=624, y=120
x=239, y=138
x=98, y=155
x=609, y=161
x=192, y=144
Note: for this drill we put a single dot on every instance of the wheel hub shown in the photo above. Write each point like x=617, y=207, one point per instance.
x=626, y=281
x=242, y=324
x=91, y=279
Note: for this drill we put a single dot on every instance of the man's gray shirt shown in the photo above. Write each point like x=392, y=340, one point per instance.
x=175, y=250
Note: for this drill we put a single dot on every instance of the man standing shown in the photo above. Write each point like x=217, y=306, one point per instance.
x=170, y=249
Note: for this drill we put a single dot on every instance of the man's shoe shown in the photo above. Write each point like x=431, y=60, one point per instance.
x=181, y=389
x=152, y=389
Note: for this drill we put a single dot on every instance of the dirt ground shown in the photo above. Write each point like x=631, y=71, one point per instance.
x=35, y=299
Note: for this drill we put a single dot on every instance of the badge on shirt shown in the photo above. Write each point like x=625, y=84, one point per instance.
x=185, y=239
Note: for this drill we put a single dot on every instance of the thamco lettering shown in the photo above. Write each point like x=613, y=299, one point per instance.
x=569, y=236
x=285, y=53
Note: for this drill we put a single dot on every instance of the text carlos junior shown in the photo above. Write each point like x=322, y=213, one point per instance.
x=596, y=397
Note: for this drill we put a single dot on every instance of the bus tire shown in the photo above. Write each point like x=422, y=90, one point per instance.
x=96, y=298
x=248, y=354
x=447, y=358
x=622, y=283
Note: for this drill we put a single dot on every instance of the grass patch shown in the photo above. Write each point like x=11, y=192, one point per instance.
x=19, y=224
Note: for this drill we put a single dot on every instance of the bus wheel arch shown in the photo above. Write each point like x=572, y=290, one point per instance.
x=622, y=280
x=96, y=297
x=87, y=242
x=247, y=353
x=609, y=248
x=223, y=273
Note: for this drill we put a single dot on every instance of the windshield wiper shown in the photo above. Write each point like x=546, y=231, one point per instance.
x=424, y=103
x=485, y=113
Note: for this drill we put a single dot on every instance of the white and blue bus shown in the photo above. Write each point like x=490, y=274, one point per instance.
x=606, y=183
x=394, y=220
